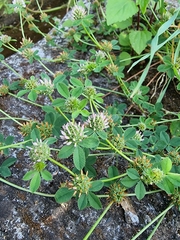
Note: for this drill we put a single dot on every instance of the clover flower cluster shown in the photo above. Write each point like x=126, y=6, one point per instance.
x=78, y=12
x=26, y=43
x=19, y=4
x=81, y=183
x=5, y=38
x=90, y=91
x=40, y=151
x=71, y=104
x=142, y=126
x=116, y=192
x=98, y=121
x=31, y=83
x=118, y=141
x=3, y=90
x=138, y=136
x=72, y=133
x=87, y=67
x=49, y=86
x=152, y=176
x=100, y=54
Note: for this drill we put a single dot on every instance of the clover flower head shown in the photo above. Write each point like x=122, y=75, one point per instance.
x=138, y=136
x=112, y=68
x=90, y=91
x=5, y=38
x=142, y=126
x=28, y=53
x=3, y=90
x=26, y=42
x=98, y=121
x=40, y=151
x=106, y=46
x=78, y=12
x=19, y=4
x=72, y=133
x=49, y=86
x=72, y=104
x=100, y=54
x=152, y=176
x=31, y=84
x=87, y=67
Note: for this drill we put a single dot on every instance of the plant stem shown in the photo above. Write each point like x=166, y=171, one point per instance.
x=26, y=100
x=92, y=37
x=15, y=145
x=102, y=196
x=46, y=68
x=9, y=67
x=120, y=152
x=98, y=221
x=114, y=178
x=13, y=119
x=156, y=227
x=24, y=189
x=61, y=165
x=22, y=29
x=59, y=110
x=154, y=220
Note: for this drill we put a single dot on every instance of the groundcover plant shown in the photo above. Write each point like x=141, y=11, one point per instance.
x=106, y=38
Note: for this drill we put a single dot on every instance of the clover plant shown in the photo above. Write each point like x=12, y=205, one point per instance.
x=105, y=39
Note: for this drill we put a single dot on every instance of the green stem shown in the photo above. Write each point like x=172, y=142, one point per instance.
x=150, y=192
x=46, y=67
x=61, y=166
x=59, y=110
x=114, y=178
x=15, y=145
x=98, y=221
x=24, y=189
x=92, y=37
x=154, y=220
x=9, y=67
x=120, y=152
x=47, y=10
x=156, y=227
x=13, y=119
x=22, y=29
x=167, y=120
x=22, y=119
x=26, y=100
x=102, y=196
x=11, y=47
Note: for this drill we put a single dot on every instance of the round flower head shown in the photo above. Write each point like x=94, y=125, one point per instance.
x=40, y=151
x=49, y=86
x=78, y=12
x=100, y=54
x=98, y=121
x=72, y=133
x=138, y=136
x=19, y=4
x=72, y=104
x=5, y=38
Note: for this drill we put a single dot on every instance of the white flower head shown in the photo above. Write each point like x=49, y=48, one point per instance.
x=5, y=38
x=72, y=133
x=19, y=4
x=40, y=151
x=138, y=136
x=98, y=121
x=100, y=54
x=78, y=12
x=49, y=86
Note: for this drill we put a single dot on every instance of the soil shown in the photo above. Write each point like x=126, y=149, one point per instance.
x=32, y=217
